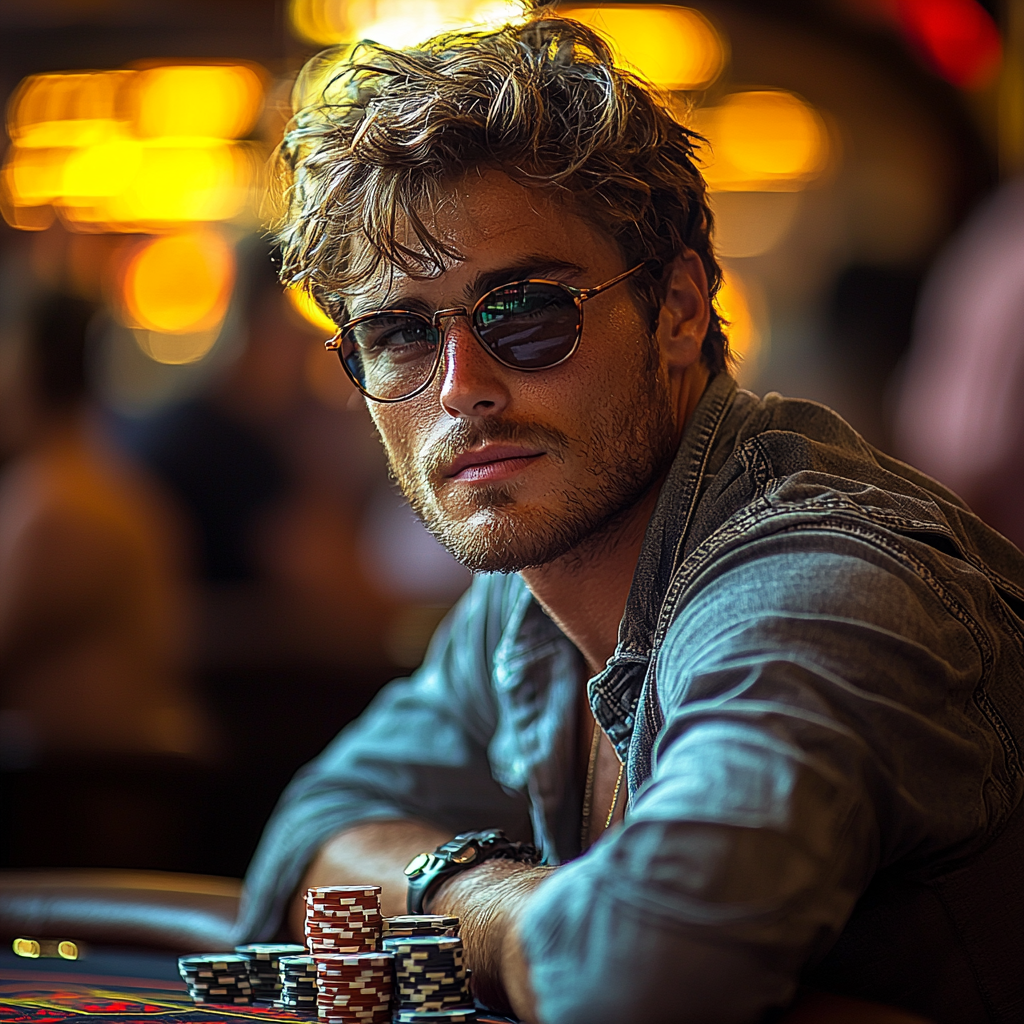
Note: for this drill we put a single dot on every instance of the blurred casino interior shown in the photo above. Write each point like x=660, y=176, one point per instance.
x=204, y=569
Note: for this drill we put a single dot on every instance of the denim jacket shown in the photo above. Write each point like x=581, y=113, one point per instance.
x=818, y=694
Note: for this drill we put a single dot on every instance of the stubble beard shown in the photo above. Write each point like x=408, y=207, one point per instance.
x=484, y=527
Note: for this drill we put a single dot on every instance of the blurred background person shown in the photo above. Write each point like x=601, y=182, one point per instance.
x=960, y=414
x=92, y=610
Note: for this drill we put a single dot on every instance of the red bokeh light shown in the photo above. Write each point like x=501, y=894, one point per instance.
x=958, y=38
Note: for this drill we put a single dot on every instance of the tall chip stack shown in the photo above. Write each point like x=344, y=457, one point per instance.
x=263, y=959
x=216, y=978
x=354, y=988
x=430, y=979
x=343, y=919
x=409, y=925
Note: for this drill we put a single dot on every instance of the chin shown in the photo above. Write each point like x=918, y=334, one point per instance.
x=500, y=539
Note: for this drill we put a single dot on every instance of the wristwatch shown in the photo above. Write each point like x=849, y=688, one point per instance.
x=426, y=871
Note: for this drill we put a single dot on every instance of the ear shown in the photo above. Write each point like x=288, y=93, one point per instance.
x=685, y=311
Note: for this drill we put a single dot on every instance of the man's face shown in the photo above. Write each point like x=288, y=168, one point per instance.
x=512, y=469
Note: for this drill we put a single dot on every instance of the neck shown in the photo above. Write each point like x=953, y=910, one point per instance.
x=585, y=591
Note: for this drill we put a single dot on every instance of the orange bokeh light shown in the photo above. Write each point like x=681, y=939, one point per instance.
x=674, y=47
x=179, y=284
x=764, y=140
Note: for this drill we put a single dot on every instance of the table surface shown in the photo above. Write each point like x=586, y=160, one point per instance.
x=123, y=986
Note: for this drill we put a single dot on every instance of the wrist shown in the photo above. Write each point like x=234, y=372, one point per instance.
x=488, y=900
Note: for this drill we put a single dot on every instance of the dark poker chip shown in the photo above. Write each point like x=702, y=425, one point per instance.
x=459, y=1016
x=269, y=950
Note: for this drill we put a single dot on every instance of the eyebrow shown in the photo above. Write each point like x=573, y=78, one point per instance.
x=524, y=268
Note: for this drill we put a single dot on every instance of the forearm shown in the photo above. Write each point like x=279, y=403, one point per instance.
x=488, y=900
x=373, y=852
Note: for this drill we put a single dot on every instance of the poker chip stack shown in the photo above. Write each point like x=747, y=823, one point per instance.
x=217, y=978
x=430, y=978
x=343, y=919
x=354, y=988
x=263, y=959
x=409, y=925
x=298, y=984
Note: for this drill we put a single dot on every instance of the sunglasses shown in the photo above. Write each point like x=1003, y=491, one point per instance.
x=393, y=354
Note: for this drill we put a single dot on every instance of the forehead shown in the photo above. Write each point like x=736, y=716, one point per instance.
x=493, y=221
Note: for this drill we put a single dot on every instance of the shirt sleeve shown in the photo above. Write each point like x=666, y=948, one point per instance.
x=807, y=739
x=419, y=751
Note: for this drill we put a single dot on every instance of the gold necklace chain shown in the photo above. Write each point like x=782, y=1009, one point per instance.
x=588, y=792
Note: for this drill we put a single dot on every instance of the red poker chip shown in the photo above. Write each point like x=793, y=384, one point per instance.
x=344, y=933
x=381, y=960
x=343, y=908
x=342, y=926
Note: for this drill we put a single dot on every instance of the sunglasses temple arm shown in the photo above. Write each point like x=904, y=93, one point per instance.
x=587, y=293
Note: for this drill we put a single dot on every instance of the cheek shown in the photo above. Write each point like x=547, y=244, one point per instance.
x=601, y=375
x=403, y=428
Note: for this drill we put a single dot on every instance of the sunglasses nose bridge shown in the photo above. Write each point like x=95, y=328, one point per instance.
x=447, y=314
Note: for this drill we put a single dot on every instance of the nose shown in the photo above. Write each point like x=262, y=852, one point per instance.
x=473, y=383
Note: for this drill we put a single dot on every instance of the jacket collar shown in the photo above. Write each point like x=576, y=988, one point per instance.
x=614, y=691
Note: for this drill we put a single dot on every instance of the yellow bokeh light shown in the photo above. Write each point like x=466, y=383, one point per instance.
x=306, y=306
x=209, y=100
x=33, y=177
x=26, y=947
x=395, y=23
x=132, y=150
x=176, y=349
x=763, y=140
x=674, y=47
x=68, y=97
x=734, y=306
x=192, y=180
x=102, y=169
x=179, y=284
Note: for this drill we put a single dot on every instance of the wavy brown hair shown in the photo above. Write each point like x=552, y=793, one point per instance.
x=379, y=134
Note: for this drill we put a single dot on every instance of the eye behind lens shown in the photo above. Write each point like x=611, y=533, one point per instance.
x=530, y=325
x=390, y=355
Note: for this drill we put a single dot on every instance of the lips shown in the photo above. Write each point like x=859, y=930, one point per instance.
x=492, y=462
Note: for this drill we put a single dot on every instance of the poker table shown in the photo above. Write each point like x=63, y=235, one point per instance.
x=129, y=928
x=119, y=985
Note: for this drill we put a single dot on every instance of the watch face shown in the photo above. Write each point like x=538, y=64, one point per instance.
x=417, y=864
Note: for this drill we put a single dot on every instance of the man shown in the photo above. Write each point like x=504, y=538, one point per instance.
x=803, y=658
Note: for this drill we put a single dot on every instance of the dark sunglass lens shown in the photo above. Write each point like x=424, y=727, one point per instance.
x=390, y=355
x=529, y=325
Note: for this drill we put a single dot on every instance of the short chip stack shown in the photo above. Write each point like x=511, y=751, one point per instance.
x=355, y=988
x=217, y=978
x=343, y=919
x=430, y=975
x=263, y=959
x=408, y=925
x=298, y=984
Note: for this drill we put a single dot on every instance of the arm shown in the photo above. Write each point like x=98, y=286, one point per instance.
x=799, y=752
x=377, y=850
x=413, y=768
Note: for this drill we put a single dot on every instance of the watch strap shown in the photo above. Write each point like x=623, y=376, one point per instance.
x=427, y=871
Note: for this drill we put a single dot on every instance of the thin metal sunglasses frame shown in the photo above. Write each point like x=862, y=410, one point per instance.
x=578, y=295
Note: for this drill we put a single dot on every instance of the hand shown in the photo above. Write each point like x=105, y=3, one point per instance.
x=489, y=900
